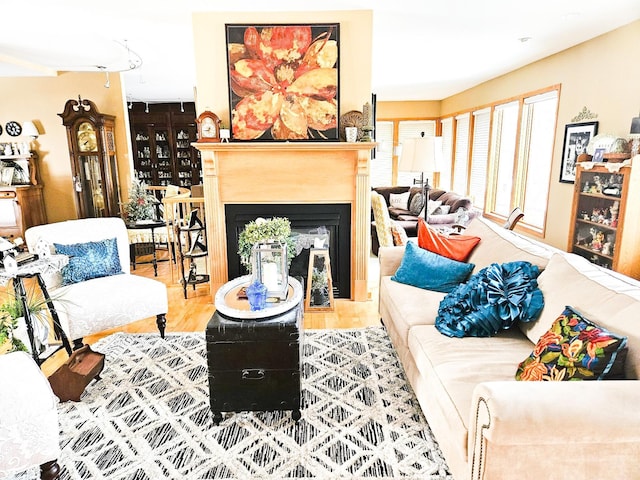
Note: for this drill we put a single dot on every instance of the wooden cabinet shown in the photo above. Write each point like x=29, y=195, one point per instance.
x=606, y=207
x=162, y=139
x=21, y=207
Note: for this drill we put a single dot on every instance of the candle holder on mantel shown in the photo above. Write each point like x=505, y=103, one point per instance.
x=366, y=133
x=269, y=267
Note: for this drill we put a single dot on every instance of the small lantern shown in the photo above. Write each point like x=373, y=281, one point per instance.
x=269, y=265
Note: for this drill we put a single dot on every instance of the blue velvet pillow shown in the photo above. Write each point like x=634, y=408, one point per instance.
x=424, y=269
x=89, y=260
x=492, y=300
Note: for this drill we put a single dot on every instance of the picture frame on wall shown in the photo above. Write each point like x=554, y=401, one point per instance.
x=283, y=81
x=576, y=139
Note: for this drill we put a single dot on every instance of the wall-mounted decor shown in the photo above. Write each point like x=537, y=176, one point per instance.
x=283, y=81
x=576, y=139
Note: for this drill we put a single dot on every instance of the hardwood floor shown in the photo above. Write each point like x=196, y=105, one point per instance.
x=193, y=314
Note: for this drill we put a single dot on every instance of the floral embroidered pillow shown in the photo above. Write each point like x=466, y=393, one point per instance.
x=575, y=348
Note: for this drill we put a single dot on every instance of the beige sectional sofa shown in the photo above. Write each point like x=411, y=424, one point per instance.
x=490, y=426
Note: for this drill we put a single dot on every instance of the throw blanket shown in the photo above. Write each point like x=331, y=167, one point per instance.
x=492, y=299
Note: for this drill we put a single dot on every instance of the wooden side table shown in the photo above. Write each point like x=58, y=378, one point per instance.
x=147, y=225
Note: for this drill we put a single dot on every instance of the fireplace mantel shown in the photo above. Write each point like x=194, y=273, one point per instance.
x=288, y=172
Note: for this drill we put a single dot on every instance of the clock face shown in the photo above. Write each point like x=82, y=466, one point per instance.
x=208, y=128
x=13, y=128
x=87, y=138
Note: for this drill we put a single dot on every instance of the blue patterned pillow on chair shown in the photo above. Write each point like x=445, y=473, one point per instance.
x=89, y=260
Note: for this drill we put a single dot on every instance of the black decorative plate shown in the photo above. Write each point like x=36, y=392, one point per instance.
x=13, y=128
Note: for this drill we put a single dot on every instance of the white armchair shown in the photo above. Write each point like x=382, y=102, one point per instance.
x=99, y=304
x=29, y=432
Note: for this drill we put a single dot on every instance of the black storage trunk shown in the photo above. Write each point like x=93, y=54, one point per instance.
x=254, y=365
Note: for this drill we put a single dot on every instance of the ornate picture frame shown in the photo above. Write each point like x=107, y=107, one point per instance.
x=576, y=139
x=283, y=81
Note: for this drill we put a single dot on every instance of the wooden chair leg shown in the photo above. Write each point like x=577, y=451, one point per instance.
x=161, y=321
x=50, y=470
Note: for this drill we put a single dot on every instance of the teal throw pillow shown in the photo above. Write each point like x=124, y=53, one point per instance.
x=575, y=348
x=492, y=300
x=89, y=260
x=424, y=269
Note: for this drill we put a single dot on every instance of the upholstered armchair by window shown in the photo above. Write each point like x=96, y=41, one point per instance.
x=29, y=432
x=97, y=291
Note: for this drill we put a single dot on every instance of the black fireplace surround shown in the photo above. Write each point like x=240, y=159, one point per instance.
x=335, y=217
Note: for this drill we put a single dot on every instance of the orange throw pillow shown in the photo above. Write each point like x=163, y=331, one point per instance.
x=455, y=247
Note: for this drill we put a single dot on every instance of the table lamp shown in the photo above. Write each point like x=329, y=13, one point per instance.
x=424, y=155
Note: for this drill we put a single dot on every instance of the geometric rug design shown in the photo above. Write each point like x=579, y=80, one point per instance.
x=149, y=416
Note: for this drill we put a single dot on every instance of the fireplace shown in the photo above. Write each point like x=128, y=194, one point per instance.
x=299, y=174
x=304, y=218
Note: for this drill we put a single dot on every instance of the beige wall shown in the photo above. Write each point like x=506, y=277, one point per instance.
x=211, y=56
x=408, y=110
x=602, y=74
x=41, y=99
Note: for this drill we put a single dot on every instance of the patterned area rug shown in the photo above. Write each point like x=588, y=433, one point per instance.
x=149, y=417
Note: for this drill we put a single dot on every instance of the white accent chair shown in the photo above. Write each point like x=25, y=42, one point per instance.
x=99, y=304
x=29, y=431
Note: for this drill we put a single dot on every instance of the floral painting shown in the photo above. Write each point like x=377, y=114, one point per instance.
x=283, y=81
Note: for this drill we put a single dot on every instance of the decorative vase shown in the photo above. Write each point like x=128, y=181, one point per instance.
x=257, y=295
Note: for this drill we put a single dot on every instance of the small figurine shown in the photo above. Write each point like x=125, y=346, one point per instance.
x=606, y=248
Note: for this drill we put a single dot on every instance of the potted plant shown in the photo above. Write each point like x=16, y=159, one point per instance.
x=264, y=230
x=141, y=203
x=319, y=287
x=13, y=328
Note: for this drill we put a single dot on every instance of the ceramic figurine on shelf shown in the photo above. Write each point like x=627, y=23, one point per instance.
x=606, y=248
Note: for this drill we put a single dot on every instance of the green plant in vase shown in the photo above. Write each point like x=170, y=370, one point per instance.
x=141, y=203
x=263, y=230
x=13, y=330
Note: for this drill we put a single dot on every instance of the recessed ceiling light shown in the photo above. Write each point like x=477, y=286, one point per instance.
x=524, y=39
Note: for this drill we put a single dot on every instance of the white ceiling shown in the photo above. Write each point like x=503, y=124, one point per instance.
x=422, y=49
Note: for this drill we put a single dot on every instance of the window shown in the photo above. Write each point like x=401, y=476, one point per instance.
x=520, y=162
x=382, y=165
x=536, y=151
x=505, y=127
x=479, y=156
x=447, y=152
x=461, y=160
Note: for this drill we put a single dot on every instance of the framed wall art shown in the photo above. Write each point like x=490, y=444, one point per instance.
x=576, y=139
x=283, y=81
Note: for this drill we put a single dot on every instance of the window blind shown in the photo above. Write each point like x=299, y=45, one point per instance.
x=381, y=166
x=479, y=156
x=460, y=166
x=413, y=129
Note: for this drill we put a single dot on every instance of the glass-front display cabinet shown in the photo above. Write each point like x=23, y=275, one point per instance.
x=604, y=216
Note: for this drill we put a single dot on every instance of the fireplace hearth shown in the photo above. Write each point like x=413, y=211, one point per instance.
x=305, y=219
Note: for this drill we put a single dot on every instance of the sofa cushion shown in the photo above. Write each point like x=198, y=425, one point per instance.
x=492, y=300
x=500, y=245
x=399, y=234
x=607, y=299
x=417, y=204
x=459, y=364
x=455, y=201
x=456, y=247
x=399, y=200
x=383, y=222
x=575, y=348
x=89, y=260
x=424, y=269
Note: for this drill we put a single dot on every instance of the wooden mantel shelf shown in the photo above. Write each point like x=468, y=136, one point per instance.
x=288, y=172
x=294, y=146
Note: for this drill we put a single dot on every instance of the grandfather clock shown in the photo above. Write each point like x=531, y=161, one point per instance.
x=92, y=146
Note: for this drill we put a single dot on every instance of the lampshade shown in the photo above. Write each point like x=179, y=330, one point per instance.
x=29, y=129
x=635, y=125
x=422, y=154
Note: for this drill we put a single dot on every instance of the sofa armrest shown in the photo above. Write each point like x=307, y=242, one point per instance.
x=390, y=258
x=552, y=422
